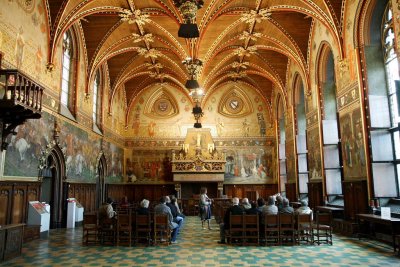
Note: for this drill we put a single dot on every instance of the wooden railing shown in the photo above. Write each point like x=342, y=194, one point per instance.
x=20, y=90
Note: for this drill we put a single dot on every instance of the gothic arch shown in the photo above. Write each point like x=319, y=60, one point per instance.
x=101, y=171
x=53, y=160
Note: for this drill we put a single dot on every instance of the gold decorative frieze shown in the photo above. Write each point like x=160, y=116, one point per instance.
x=349, y=96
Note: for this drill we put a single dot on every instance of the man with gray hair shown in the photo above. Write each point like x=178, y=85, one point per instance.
x=246, y=204
x=235, y=209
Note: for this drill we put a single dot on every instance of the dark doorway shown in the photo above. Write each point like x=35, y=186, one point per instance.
x=100, y=181
x=53, y=191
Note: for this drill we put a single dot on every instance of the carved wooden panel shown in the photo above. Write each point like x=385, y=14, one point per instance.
x=85, y=194
x=19, y=204
x=315, y=194
x=355, y=198
x=5, y=200
x=240, y=191
x=291, y=191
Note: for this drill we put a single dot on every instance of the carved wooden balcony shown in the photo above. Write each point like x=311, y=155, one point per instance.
x=20, y=100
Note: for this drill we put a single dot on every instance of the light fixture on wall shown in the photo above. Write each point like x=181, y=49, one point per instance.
x=189, y=9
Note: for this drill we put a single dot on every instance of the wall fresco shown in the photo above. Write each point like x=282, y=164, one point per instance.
x=354, y=159
x=249, y=166
x=314, y=153
x=23, y=151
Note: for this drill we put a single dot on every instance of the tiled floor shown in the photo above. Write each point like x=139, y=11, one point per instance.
x=198, y=247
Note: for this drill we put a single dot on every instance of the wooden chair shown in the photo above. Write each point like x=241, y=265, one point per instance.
x=271, y=229
x=251, y=229
x=236, y=229
x=322, y=229
x=286, y=229
x=193, y=207
x=107, y=231
x=143, y=228
x=90, y=228
x=124, y=228
x=304, y=228
x=162, y=230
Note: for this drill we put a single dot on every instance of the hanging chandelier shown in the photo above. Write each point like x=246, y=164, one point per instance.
x=193, y=66
x=189, y=9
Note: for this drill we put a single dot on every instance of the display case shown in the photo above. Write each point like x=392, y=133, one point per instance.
x=38, y=214
x=78, y=213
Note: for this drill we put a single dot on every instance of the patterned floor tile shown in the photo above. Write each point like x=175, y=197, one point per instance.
x=198, y=247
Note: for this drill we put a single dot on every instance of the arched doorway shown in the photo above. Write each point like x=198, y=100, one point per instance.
x=100, y=180
x=53, y=189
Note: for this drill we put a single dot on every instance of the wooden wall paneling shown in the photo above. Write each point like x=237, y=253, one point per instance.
x=291, y=191
x=5, y=200
x=355, y=198
x=32, y=194
x=315, y=194
x=19, y=203
x=85, y=194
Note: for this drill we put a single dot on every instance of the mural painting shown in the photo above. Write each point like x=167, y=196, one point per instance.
x=115, y=159
x=149, y=166
x=249, y=166
x=353, y=145
x=290, y=161
x=314, y=153
x=24, y=148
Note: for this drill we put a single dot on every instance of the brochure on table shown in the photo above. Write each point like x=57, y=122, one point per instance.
x=39, y=214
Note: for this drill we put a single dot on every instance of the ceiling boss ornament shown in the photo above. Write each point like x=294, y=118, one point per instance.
x=256, y=16
x=148, y=37
x=134, y=17
x=189, y=9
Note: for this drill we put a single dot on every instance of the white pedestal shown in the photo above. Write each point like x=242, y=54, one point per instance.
x=38, y=215
x=71, y=211
x=79, y=214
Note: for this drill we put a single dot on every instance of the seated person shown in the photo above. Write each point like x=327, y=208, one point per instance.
x=279, y=202
x=174, y=210
x=271, y=208
x=253, y=210
x=304, y=208
x=286, y=209
x=162, y=208
x=235, y=209
x=260, y=203
x=106, y=211
x=245, y=204
x=144, y=207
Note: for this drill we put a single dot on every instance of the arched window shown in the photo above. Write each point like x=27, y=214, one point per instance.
x=301, y=140
x=330, y=128
x=97, y=103
x=67, y=81
x=282, y=147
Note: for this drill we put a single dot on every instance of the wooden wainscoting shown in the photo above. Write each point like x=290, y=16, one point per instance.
x=136, y=192
x=246, y=190
x=14, y=198
x=85, y=194
x=315, y=194
x=355, y=198
x=291, y=193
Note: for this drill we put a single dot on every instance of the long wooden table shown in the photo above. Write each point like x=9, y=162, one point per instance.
x=337, y=212
x=393, y=223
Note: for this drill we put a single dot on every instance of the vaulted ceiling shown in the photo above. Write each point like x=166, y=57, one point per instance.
x=247, y=40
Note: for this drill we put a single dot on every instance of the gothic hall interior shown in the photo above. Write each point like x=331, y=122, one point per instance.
x=108, y=107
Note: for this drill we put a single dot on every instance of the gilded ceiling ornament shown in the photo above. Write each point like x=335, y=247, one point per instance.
x=237, y=75
x=153, y=53
x=148, y=37
x=134, y=17
x=241, y=51
x=156, y=66
x=158, y=76
x=252, y=36
x=238, y=64
x=256, y=16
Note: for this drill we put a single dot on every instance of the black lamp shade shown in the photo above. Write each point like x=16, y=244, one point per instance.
x=197, y=110
x=197, y=125
x=192, y=84
x=188, y=30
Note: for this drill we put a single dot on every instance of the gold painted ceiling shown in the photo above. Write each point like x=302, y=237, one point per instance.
x=247, y=40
